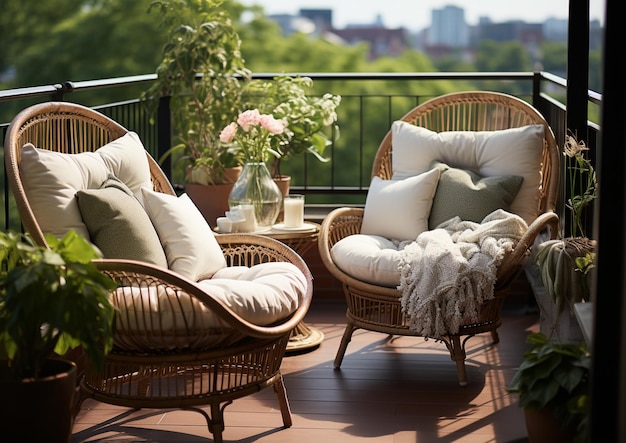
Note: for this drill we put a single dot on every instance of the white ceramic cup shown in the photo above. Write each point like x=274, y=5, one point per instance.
x=294, y=210
x=225, y=225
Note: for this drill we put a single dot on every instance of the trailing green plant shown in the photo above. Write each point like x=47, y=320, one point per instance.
x=52, y=300
x=204, y=73
x=557, y=375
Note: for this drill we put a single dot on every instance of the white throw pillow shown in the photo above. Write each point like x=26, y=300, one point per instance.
x=515, y=151
x=399, y=209
x=188, y=241
x=51, y=179
x=369, y=258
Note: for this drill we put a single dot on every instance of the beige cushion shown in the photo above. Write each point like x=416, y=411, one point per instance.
x=465, y=194
x=514, y=151
x=261, y=294
x=369, y=258
x=399, y=209
x=188, y=241
x=118, y=225
x=51, y=179
x=154, y=316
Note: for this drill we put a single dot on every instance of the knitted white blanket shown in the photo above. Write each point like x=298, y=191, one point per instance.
x=448, y=272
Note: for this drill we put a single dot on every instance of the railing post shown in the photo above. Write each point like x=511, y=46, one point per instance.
x=164, y=134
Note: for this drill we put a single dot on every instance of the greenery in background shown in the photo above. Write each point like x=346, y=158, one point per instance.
x=98, y=39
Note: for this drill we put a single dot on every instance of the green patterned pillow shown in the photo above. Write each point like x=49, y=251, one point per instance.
x=118, y=224
x=466, y=194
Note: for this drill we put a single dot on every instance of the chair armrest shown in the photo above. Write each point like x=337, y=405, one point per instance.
x=338, y=224
x=512, y=263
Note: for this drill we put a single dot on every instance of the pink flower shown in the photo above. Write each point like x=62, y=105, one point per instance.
x=271, y=124
x=254, y=139
x=228, y=133
x=249, y=118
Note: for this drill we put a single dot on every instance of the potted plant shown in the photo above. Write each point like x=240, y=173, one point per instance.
x=310, y=120
x=553, y=387
x=204, y=74
x=52, y=300
x=565, y=263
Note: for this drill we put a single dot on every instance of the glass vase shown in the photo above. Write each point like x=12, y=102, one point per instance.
x=256, y=191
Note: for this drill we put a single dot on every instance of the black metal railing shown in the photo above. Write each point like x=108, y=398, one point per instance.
x=364, y=119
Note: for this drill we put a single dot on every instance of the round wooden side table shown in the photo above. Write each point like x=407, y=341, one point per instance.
x=303, y=337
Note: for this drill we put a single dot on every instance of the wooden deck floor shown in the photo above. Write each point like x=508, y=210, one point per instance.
x=389, y=390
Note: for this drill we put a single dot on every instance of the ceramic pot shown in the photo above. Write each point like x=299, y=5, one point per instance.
x=40, y=409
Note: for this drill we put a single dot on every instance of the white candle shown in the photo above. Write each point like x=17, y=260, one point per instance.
x=249, y=224
x=294, y=210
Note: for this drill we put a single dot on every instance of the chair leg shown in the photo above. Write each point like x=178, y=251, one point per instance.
x=281, y=393
x=495, y=337
x=457, y=353
x=347, y=336
x=216, y=421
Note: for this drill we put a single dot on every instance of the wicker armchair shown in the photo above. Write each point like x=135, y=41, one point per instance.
x=186, y=364
x=376, y=307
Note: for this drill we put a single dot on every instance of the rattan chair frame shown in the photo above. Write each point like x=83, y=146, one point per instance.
x=377, y=308
x=244, y=358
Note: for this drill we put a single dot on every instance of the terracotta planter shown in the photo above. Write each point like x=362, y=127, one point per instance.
x=283, y=182
x=211, y=200
x=39, y=409
x=542, y=427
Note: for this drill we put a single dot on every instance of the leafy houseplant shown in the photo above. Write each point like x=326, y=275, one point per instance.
x=51, y=300
x=310, y=120
x=203, y=71
x=555, y=376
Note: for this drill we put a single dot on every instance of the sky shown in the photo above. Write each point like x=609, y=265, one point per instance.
x=415, y=15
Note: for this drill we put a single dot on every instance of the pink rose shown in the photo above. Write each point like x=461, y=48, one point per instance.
x=249, y=118
x=228, y=133
x=271, y=124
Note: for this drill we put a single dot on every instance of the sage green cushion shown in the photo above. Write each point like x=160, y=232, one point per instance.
x=464, y=193
x=118, y=224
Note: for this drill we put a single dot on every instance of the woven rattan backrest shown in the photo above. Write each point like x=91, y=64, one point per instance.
x=66, y=128
x=480, y=111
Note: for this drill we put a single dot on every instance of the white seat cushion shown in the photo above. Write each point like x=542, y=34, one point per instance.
x=262, y=294
x=370, y=258
x=515, y=151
